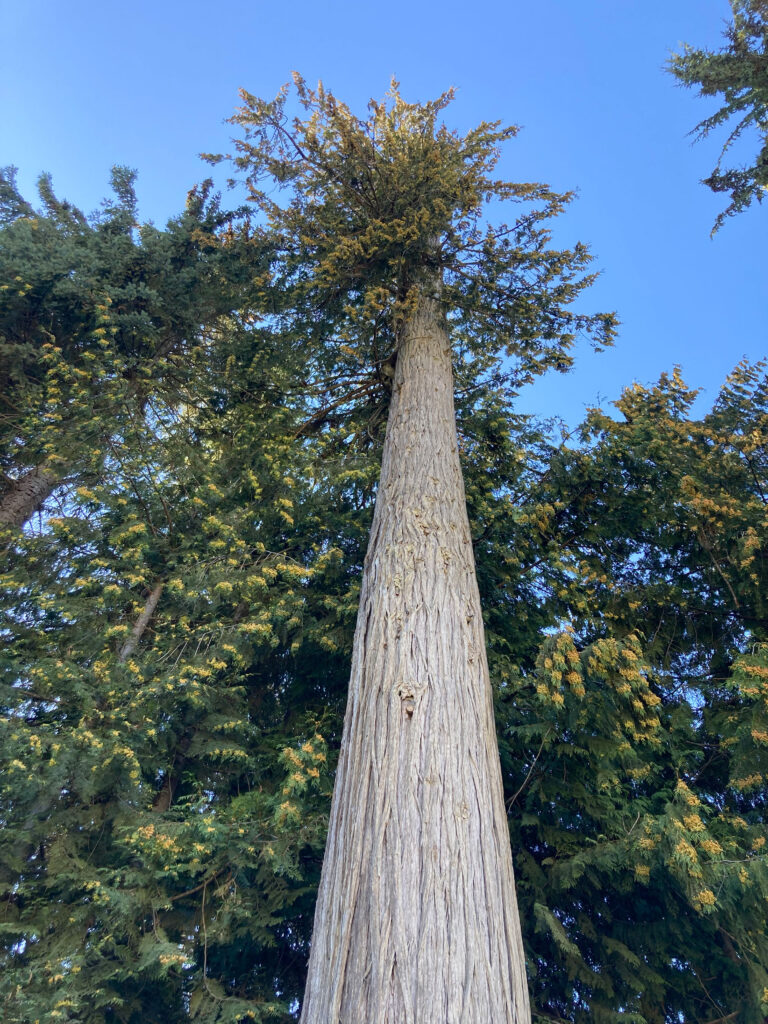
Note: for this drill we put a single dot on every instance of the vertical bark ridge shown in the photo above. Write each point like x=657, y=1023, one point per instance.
x=417, y=920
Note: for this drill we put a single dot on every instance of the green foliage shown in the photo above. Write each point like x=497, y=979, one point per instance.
x=738, y=74
x=633, y=744
x=151, y=820
x=178, y=619
x=78, y=293
x=367, y=211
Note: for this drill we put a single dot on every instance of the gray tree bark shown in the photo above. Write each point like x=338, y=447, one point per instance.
x=26, y=496
x=417, y=920
x=141, y=623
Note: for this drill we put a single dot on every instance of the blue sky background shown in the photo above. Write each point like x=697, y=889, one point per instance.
x=85, y=85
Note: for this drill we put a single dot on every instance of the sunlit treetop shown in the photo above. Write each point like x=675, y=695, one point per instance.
x=368, y=211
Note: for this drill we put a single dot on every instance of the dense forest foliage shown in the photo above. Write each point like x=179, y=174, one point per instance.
x=188, y=477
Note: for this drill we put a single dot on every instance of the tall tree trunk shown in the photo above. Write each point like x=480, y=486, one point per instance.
x=417, y=919
x=26, y=495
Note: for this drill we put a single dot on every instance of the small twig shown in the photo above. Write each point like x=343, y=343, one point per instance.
x=707, y=545
x=530, y=770
x=631, y=830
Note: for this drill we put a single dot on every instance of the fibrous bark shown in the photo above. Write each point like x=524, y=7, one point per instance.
x=417, y=919
x=26, y=495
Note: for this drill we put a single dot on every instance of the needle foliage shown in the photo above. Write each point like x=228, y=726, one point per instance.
x=178, y=614
x=738, y=75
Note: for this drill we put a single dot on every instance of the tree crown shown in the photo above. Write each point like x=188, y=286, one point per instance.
x=366, y=211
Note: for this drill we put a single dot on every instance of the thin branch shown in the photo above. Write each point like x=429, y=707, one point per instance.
x=530, y=770
x=318, y=417
x=725, y=579
x=141, y=623
x=197, y=888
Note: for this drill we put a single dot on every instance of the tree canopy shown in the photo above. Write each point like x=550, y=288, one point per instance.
x=206, y=402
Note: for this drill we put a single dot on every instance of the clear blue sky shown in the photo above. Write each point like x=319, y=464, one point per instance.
x=85, y=85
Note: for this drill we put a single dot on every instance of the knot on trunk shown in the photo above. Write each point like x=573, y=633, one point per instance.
x=408, y=694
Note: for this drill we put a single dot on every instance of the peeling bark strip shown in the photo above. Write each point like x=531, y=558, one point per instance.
x=141, y=623
x=26, y=496
x=417, y=921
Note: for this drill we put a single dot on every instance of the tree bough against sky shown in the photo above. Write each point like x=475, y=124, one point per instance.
x=739, y=74
x=384, y=262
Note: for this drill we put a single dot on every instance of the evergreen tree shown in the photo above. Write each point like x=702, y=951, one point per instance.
x=143, y=776
x=62, y=272
x=384, y=253
x=739, y=74
x=633, y=736
x=179, y=619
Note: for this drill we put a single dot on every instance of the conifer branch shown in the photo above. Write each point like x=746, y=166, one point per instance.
x=141, y=623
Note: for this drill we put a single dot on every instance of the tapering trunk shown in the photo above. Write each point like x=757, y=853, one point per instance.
x=26, y=495
x=417, y=920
